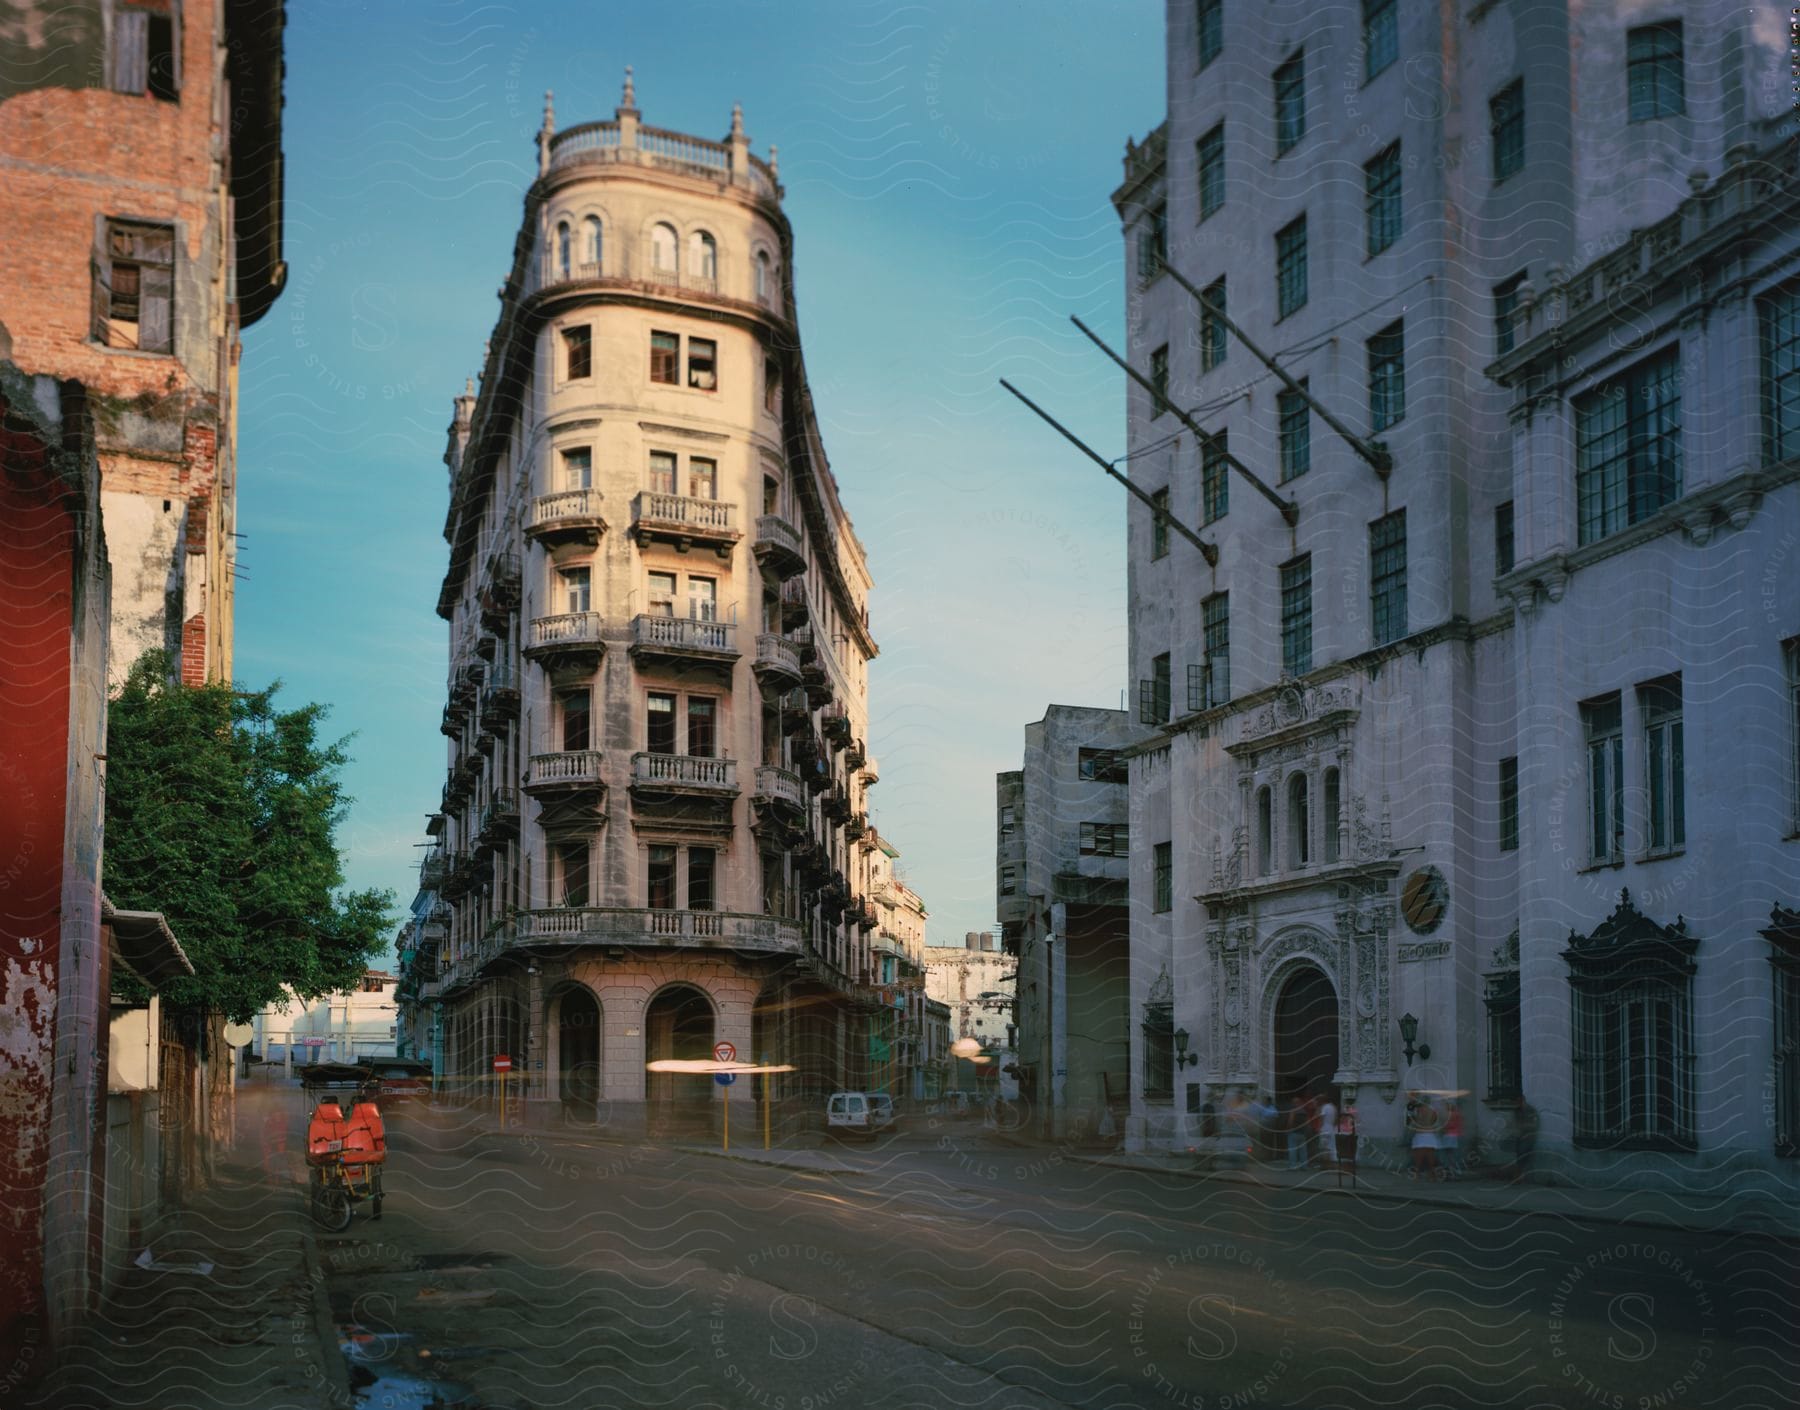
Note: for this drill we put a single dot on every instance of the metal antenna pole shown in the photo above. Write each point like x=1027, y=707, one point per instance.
x=1290, y=511
x=1374, y=452
x=1208, y=551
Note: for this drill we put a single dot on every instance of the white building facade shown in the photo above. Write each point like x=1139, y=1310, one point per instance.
x=654, y=837
x=1507, y=629
x=358, y=1023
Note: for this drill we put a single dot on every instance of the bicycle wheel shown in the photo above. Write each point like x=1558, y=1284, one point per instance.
x=331, y=1208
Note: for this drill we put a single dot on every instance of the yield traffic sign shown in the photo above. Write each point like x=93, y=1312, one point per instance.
x=724, y=1052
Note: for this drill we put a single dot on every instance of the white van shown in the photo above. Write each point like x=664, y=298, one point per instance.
x=861, y=1113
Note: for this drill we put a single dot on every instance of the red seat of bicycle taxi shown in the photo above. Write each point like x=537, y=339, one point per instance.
x=326, y=1126
x=365, y=1136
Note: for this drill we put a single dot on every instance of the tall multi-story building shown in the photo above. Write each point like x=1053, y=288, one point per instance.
x=654, y=837
x=1063, y=841
x=898, y=1041
x=1475, y=730
x=140, y=146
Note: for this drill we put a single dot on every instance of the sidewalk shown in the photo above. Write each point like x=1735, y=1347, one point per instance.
x=1761, y=1213
x=253, y=1329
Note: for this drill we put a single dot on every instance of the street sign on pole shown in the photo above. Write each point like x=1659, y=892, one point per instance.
x=502, y=1065
x=724, y=1079
x=724, y=1052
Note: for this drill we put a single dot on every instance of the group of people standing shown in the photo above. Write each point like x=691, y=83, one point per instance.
x=1310, y=1126
x=1434, y=1132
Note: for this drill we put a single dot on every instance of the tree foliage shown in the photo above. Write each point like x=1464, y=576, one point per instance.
x=221, y=812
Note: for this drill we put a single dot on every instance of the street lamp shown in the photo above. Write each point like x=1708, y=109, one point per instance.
x=1409, y=1030
x=1183, y=1058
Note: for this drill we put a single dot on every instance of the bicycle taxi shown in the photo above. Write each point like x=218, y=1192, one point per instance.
x=344, y=1156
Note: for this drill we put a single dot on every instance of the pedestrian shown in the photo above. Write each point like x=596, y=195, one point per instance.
x=1424, y=1123
x=1294, y=1121
x=1450, y=1139
x=1327, y=1129
x=1524, y=1136
x=1345, y=1141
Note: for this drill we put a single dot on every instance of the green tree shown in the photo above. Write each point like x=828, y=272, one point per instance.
x=221, y=812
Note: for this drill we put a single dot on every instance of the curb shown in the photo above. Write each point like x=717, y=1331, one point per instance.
x=334, y=1369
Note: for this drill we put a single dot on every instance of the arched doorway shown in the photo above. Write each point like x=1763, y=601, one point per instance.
x=679, y=1024
x=578, y=1054
x=1305, y=1034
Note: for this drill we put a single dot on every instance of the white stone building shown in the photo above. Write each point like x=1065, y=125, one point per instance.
x=975, y=980
x=1062, y=838
x=655, y=835
x=344, y=1027
x=1512, y=629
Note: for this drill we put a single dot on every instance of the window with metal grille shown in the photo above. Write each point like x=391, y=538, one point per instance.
x=1387, y=376
x=1628, y=447
x=1506, y=313
x=1153, y=243
x=1163, y=877
x=1659, y=708
x=1209, y=29
x=1653, y=78
x=1215, y=615
x=134, y=287
x=1381, y=36
x=1215, y=478
x=1602, y=727
x=1787, y=1055
x=1333, y=808
x=1294, y=433
x=1381, y=199
x=1214, y=338
x=1105, y=839
x=1153, y=693
x=1101, y=766
x=1290, y=267
x=1779, y=313
x=1506, y=128
x=1299, y=821
x=1290, y=102
x=1634, y=1063
x=1387, y=577
x=1503, y=537
x=1509, y=804
x=1209, y=154
x=1265, y=831
x=1159, y=524
x=1296, y=615
x=1159, y=379
x=1159, y=1052
x=665, y=358
x=1505, y=1045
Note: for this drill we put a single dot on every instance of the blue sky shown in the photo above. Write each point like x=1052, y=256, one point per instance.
x=947, y=168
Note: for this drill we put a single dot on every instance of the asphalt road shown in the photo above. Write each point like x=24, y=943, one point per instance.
x=546, y=1272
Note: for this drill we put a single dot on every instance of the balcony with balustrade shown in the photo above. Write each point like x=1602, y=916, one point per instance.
x=796, y=608
x=779, y=793
x=567, y=639
x=567, y=516
x=777, y=663
x=499, y=698
x=778, y=546
x=685, y=521
x=500, y=590
x=685, y=640
x=656, y=776
x=562, y=774
x=660, y=929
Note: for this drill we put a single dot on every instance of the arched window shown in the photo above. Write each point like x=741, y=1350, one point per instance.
x=663, y=249
x=1265, y=832
x=593, y=250
x=764, y=276
x=1298, y=820
x=1333, y=806
x=703, y=256
x=562, y=249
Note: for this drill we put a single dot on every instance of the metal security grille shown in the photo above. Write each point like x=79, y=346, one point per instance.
x=1381, y=199
x=1504, y=1040
x=1290, y=267
x=1159, y=1051
x=1780, y=319
x=1387, y=577
x=1653, y=71
x=1295, y=432
x=1215, y=479
x=1633, y=1063
x=1163, y=874
x=1296, y=616
x=1628, y=447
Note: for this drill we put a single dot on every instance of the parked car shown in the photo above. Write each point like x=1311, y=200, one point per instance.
x=402, y=1079
x=858, y=1113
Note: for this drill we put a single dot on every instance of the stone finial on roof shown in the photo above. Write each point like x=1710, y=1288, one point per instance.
x=629, y=102
x=774, y=161
x=549, y=111
x=737, y=119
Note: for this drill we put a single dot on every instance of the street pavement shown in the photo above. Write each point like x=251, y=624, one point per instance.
x=942, y=1266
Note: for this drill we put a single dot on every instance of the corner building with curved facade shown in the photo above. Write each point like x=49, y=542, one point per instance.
x=654, y=837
